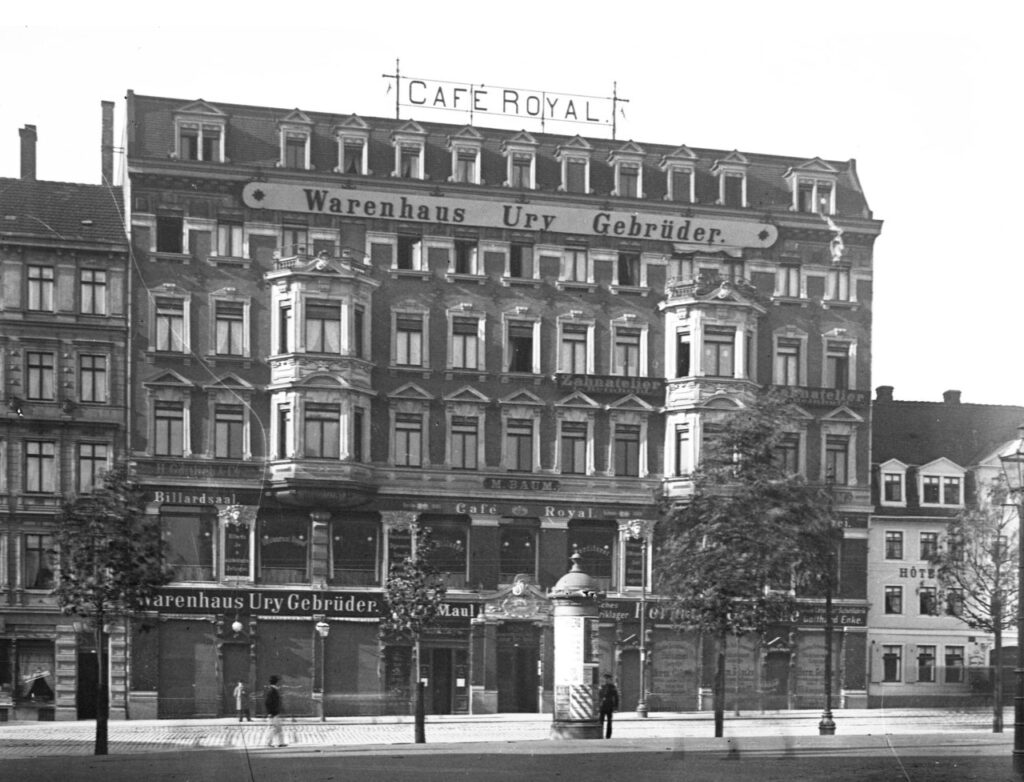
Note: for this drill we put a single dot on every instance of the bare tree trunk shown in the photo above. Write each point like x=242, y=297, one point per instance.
x=997, y=669
x=102, y=695
x=420, y=713
x=720, y=689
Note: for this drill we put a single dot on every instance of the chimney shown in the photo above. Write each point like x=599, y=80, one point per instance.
x=951, y=397
x=28, y=152
x=883, y=394
x=107, y=143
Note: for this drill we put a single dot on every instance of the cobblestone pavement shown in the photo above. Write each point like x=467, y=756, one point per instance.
x=33, y=739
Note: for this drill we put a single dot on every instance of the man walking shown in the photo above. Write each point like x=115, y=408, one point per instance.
x=272, y=703
x=608, y=698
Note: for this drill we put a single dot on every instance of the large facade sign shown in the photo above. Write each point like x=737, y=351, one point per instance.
x=713, y=234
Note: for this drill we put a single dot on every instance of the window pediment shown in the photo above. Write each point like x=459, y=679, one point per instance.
x=578, y=399
x=467, y=395
x=410, y=392
x=521, y=397
x=169, y=379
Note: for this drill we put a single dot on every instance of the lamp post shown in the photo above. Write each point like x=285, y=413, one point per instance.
x=1013, y=469
x=640, y=529
x=323, y=629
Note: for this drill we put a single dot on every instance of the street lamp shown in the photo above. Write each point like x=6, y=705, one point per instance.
x=640, y=529
x=322, y=629
x=827, y=725
x=1013, y=469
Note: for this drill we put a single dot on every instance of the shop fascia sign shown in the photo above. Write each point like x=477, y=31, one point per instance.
x=359, y=203
x=287, y=602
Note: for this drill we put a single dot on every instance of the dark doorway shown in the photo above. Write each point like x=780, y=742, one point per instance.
x=236, y=669
x=88, y=685
x=440, y=681
x=629, y=687
x=518, y=653
x=775, y=683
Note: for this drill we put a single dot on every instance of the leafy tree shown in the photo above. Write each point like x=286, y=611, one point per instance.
x=110, y=565
x=731, y=558
x=413, y=594
x=977, y=571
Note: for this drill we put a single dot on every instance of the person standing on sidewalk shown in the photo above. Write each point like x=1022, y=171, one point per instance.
x=272, y=703
x=608, y=702
x=241, y=694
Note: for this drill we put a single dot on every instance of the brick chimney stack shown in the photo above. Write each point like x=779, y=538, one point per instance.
x=883, y=394
x=28, y=152
x=107, y=143
x=951, y=397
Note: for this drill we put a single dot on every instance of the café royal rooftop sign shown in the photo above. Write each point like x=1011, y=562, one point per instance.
x=712, y=234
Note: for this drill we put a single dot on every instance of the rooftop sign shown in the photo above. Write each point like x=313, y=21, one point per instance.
x=627, y=223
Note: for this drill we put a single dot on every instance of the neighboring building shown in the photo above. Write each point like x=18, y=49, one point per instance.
x=345, y=326
x=932, y=460
x=63, y=371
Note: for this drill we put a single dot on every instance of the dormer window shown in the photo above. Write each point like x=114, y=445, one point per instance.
x=732, y=179
x=409, y=143
x=892, y=490
x=627, y=163
x=465, y=148
x=352, y=136
x=813, y=187
x=295, y=132
x=680, y=175
x=574, y=158
x=199, y=133
x=521, y=155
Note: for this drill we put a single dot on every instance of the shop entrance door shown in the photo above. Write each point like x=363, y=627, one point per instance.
x=88, y=686
x=629, y=687
x=236, y=669
x=440, y=684
x=776, y=681
x=518, y=653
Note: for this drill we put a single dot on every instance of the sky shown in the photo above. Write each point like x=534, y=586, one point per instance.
x=924, y=95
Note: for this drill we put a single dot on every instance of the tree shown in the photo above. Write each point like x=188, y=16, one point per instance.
x=977, y=571
x=731, y=557
x=413, y=594
x=111, y=564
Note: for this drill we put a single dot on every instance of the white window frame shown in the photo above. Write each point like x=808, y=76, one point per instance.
x=851, y=360
x=942, y=469
x=230, y=298
x=790, y=334
x=424, y=319
x=627, y=322
x=476, y=265
x=572, y=254
x=463, y=149
x=481, y=333
x=171, y=292
x=840, y=429
x=413, y=138
x=734, y=165
x=205, y=124
x=576, y=417
x=632, y=158
x=588, y=327
x=671, y=169
x=289, y=131
x=815, y=182
x=892, y=467
x=628, y=418
x=511, y=152
x=507, y=278
x=351, y=137
x=577, y=151
x=410, y=408
x=465, y=411
x=507, y=318
x=521, y=413
x=784, y=280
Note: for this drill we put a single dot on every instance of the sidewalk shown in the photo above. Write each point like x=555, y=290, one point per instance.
x=25, y=739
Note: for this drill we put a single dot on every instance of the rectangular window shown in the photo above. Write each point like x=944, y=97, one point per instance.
x=465, y=166
x=358, y=430
x=789, y=282
x=170, y=324
x=169, y=437
x=928, y=601
x=522, y=162
x=575, y=266
x=409, y=440
x=294, y=151
x=322, y=429
x=839, y=284
x=284, y=550
x=449, y=553
x=787, y=362
x=229, y=327
x=284, y=329
x=229, y=240
x=837, y=459
x=410, y=253
x=519, y=444
x=787, y=453
x=576, y=176
x=805, y=197
x=409, y=340
x=629, y=178
x=926, y=663
x=684, y=463
x=520, y=261
x=683, y=354
x=636, y=558
x=596, y=546
x=954, y=664
x=211, y=144
x=732, y=191
x=628, y=269
x=574, y=448
x=627, y=450
x=323, y=327
x=40, y=466
x=931, y=489
x=188, y=544
x=954, y=601
x=40, y=288
x=188, y=142
x=465, y=257
x=929, y=545
x=950, y=491
x=719, y=345
x=294, y=241
x=465, y=343
x=38, y=561
x=681, y=184
x=92, y=463
x=520, y=346
x=358, y=326
x=39, y=368
x=170, y=235
x=573, y=359
x=893, y=545
x=626, y=361
x=892, y=663
x=892, y=487
x=93, y=292
x=352, y=157
x=894, y=600
x=355, y=552
x=284, y=431
x=837, y=366
x=464, y=443
x=92, y=378
x=228, y=427
x=518, y=553
x=409, y=162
